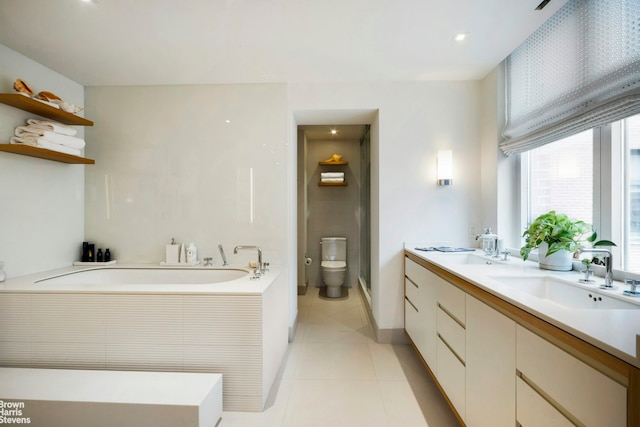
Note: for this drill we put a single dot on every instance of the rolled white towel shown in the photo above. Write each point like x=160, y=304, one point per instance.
x=332, y=175
x=53, y=127
x=43, y=143
x=34, y=132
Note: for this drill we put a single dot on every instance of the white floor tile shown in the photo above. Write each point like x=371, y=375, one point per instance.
x=335, y=403
x=401, y=405
x=349, y=361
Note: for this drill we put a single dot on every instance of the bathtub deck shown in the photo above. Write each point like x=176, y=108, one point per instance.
x=69, y=398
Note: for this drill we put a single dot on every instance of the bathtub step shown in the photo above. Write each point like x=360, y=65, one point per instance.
x=69, y=398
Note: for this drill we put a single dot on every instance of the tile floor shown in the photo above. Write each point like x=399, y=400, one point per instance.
x=335, y=375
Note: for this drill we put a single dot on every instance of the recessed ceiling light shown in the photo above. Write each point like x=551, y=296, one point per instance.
x=227, y=121
x=334, y=131
x=460, y=37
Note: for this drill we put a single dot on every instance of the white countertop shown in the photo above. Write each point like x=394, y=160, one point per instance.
x=613, y=331
x=242, y=286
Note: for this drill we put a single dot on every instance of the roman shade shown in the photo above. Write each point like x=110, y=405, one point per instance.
x=580, y=70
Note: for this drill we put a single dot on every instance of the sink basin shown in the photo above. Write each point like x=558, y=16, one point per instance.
x=468, y=258
x=565, y=293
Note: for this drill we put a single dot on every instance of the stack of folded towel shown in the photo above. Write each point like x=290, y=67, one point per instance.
x=50, y=135
x=332, y=177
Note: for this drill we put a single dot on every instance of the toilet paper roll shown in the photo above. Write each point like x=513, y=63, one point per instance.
x=308, y=261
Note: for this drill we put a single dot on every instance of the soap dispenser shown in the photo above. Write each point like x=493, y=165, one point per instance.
x=489, y=241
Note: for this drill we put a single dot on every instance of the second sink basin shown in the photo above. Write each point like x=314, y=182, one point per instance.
x=565, y=293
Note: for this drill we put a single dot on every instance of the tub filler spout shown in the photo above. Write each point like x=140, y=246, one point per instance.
x=260, y=268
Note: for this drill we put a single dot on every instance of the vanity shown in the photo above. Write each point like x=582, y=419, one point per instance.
x=509, y=344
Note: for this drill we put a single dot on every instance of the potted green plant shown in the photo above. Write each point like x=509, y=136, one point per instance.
x=557, y=237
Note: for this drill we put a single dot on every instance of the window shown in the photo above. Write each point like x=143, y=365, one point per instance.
x=593, y=176
x=631, y=143
x=561, y=178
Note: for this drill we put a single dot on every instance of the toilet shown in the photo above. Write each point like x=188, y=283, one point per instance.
x=334, y=264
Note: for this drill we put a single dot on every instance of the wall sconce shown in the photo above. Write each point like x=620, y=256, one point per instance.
x=445, y=167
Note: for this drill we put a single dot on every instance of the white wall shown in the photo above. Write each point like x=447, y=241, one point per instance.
x=500, y=176
x=169, y=165
x=41, y=201
x=415, y=120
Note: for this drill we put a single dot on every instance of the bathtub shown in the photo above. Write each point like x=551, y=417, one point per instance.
x=146, y=276
x=151, y=318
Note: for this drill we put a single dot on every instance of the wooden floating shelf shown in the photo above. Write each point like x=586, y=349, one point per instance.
x=36, y=107
x=332, y=163
x=332, y=184
x=41, y=153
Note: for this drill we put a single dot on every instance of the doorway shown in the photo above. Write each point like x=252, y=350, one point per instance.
x=334, y=209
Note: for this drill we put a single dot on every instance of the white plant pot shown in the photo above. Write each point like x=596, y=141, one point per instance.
x=558, y=261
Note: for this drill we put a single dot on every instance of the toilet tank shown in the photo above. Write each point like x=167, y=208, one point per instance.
x=334, y=248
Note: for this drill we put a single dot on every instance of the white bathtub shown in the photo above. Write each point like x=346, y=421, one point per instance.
x=151, y=318
x=146, y=276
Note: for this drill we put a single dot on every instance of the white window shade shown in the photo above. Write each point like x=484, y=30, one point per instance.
x=580, y=70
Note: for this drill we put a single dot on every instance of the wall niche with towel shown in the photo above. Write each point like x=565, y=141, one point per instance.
x=332, y=178
x=36, y=107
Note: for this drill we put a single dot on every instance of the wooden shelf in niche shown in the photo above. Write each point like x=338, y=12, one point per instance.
x=332, y=163
x=36, y=107
x=41, y=153
x=332, y=184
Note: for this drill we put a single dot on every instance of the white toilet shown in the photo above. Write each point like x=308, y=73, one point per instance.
x=334, y=264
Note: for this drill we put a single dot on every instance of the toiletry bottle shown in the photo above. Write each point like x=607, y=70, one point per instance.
x=90, y=255
x=99, y=255
x=107, y=255
x=3, y=275
x=85, y=252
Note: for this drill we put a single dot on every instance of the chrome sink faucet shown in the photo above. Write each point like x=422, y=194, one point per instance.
x=608, y=264
x=260, y=268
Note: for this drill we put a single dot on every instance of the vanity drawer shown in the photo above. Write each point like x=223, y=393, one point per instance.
x=452, y=333
x=411, y=321
x=585, y=393
x=452, y=299
x=415, y=272
x=451, y=376
x=532, y=409
x=411, y=292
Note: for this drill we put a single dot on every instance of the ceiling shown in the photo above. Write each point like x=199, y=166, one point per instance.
x=149, y=42
x=323, y=132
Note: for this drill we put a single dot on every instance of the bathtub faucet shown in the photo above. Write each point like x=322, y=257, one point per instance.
x=224, y=258
x=259, y=270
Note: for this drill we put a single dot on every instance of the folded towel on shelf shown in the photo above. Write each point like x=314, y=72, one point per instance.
x=332, y=180
x=43, y=143
x=52, y=127
x=332, y=175
x=35, y=133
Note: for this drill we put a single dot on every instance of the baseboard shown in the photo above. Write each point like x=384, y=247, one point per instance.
x=294, y=328
x=383, y=336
